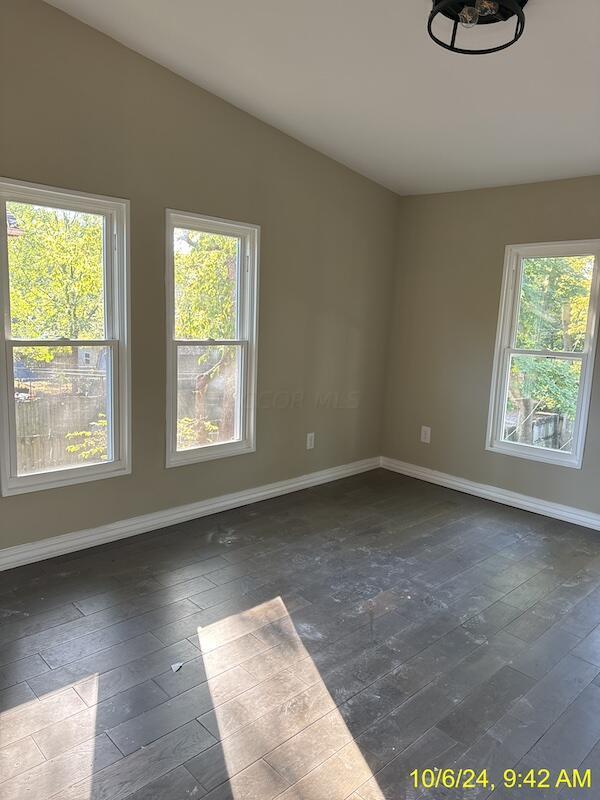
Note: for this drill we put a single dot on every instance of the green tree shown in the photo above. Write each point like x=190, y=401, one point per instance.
x=205, y=266
x=205, y=280
x=553, y=311
x=90, y=445
x=56, y=291
x=56, y=275
x=555, y=295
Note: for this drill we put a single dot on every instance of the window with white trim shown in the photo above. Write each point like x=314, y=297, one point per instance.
x=65, y=366
x=212, y=271
x=545, y=348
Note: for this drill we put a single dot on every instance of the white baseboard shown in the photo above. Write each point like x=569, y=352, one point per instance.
x=548, y=509
x=79, y=540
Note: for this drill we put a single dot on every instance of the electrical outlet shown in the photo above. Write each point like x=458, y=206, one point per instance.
x=425, y=434
x=310, y=441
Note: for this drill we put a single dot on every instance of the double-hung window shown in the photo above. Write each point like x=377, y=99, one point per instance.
x=212, y=271
x=65, y=364
x=545, y=349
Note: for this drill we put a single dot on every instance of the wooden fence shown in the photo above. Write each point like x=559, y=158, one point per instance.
x=43, y=424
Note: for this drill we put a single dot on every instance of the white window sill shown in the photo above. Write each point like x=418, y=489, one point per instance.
x=210, y=452
x=532, y=453
x=56, y=479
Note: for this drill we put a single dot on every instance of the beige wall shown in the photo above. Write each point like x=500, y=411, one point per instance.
x=78, y=110
x=451, y=253
x=82, y=112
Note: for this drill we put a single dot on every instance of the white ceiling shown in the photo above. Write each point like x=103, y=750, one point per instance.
x=360, y=81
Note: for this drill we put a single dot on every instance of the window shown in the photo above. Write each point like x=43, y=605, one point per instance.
x=545, y=349
x=212, y=268
x=65, y=370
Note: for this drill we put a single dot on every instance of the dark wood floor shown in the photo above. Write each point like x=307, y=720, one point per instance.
x=332, y=641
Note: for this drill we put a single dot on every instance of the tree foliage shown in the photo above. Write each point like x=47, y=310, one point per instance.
x=56, y=291
x=90, y=445
x=555, y=295
x=205, y=284
x=205, y=267
x=552, y=316
x=56, y=275
x=553, y=384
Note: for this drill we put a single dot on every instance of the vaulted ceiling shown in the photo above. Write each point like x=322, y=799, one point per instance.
x=362, y=82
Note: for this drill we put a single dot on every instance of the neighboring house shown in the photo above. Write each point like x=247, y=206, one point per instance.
x=12, y=228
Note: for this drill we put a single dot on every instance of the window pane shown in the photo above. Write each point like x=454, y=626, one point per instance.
x=55, y=262
x=206, y=277
x=208, y=395
x=554, y=302
x=542, y=402
x=62, y=406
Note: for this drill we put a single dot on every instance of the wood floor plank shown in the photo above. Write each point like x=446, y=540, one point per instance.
x=116, y=680
x=131, y=774
x=166, y=717
x=127, y=620
x=394, y=779
x=178, y=784
x=22, y=670
x=10, y=631
x=194, y=570
x=571, y=738
x=15, y=695
x=102, y=600
x=335, y=779
x=211, y=664
x=308, y=749
x=37, y=714
x=238, y=751
x=252, y=704
x=546, y=651
x=68, y=733
x=468, y=721
x=257, y=782
x=95, y=665
x=51, y=777
x=330, y=640
x=19, y=757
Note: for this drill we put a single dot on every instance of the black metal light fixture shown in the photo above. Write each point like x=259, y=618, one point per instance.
x=469, y=13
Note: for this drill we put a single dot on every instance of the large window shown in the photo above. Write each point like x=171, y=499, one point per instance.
x=211, y=318
x=64, y=372
x=545, y=350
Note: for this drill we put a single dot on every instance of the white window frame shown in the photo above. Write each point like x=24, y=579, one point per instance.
x=504, y=349
x=116, y=287
x=249, y=236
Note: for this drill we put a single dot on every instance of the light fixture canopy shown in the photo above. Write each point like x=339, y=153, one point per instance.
x=470, y=13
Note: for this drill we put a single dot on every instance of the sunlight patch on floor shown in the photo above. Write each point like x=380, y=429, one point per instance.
x=283, y=737
x=40, y=733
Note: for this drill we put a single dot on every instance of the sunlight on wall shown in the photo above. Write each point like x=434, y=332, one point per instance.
x=287, y=717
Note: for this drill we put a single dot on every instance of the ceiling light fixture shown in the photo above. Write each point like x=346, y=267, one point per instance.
x=470, y=13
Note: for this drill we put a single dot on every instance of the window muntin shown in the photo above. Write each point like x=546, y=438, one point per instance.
x=65, y=374
x=211, y=282
x=544, y=352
